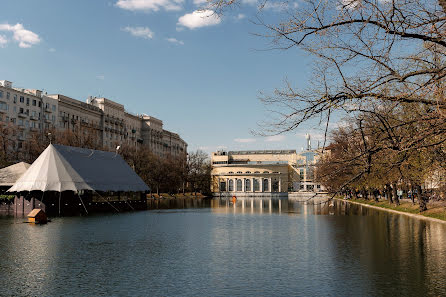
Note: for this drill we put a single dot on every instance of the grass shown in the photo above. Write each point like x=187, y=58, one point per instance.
x=435, y=210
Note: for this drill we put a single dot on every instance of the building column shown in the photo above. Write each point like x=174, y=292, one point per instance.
x=280, y=184
x=252, y=185
x=227, y=185
x=261, y=184
x=270, y=185
x=243, y=184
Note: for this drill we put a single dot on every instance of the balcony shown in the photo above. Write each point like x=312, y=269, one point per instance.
x=47, y=109
x=22, y=115
x=33, y=118
x=21, y=127
x=47, y=121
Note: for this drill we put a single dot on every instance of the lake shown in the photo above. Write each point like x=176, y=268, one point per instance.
x=261, y=247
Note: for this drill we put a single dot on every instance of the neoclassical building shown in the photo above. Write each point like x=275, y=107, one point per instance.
x=263, y=171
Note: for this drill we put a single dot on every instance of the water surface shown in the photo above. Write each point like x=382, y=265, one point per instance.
x=216, y=248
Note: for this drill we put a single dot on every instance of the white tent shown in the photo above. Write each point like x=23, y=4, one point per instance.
x=9, y=175
x=65, y=168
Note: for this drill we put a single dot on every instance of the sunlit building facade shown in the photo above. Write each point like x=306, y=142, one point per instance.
x=32, y=111
x=264, y=171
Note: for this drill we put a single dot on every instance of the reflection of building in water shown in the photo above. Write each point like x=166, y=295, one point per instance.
x=265, y=171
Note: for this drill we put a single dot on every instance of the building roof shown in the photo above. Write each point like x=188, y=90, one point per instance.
x=65, y=168
x=9, y=175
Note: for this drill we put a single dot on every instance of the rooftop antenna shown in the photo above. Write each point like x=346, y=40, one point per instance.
x=308, y=138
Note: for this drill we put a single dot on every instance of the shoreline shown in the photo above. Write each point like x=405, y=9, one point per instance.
x=413, y=215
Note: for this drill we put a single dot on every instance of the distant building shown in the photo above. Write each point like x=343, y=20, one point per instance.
x=32, y=111
x=260, y=171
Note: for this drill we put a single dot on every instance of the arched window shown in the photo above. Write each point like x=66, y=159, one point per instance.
x=247, y=185
x=222, y=186
x=257, y=172
x=256, y=185
x=239, y=185
x=247, y=172
x=231, y=186
x=265, y=185
x=239, y=172
x=265, y=172
x=230, y=172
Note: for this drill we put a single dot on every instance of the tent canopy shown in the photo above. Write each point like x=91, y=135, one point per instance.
x=65, y=168
x=9, y=175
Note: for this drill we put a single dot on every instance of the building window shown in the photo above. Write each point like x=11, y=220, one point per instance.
x=34, y=102
x=27, y=101
x=3, y=106
x=239, y=185
x=222, y=186
x=15, y=99
x=265, y=185
x=8, y=95
x=239, y=172
x=54, y=107
x=265, y=172
x=231, y=185
x=247, y=185
x=256, y=185
x=1, y=94
x=22, y=99
x=40, y=103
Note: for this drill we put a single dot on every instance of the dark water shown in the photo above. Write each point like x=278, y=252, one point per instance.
x=213, y=248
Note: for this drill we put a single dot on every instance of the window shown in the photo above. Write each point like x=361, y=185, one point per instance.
x=8, y=95
x=21, y=110
x=257, y=172
x=20, y=122
x=22, y=99
x=1, y=94
x=248, y=172
x=265, y=172
x=54, y=107
x=34, y=102
x=27, y=124
x=3, y=106
x=239, y=172
x=231, y=185
x=247, y=185
x=222, y=186
x=40, y=103
x=27, y=101
x=230, y=172
x=239, y=185
x=256, y=185
x=15, y=99
x=265, y=185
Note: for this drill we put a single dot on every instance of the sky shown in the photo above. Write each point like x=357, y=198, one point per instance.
x=199, y=73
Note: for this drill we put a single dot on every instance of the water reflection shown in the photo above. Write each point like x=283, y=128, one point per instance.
x=218, y=247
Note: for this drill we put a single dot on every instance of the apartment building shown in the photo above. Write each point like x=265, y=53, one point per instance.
x=108, y=121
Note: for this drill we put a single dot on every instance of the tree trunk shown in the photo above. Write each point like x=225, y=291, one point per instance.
x=395, y=194
x=388, y=193
x=421, y=199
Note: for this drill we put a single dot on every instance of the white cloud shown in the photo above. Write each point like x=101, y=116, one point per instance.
x=275, y=138
x=198, y=19
x=3, y=41
x=24, y=37
x=150, y=5
x=240, y=16
x=143, y=32
x=244, y=140
x=175, y=41
x=200, y=2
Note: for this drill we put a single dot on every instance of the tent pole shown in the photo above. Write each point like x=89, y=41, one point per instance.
x=106, y=201
x=82, y=202
x=60, y=194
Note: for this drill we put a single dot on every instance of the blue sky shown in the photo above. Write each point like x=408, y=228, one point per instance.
x=201, y=76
